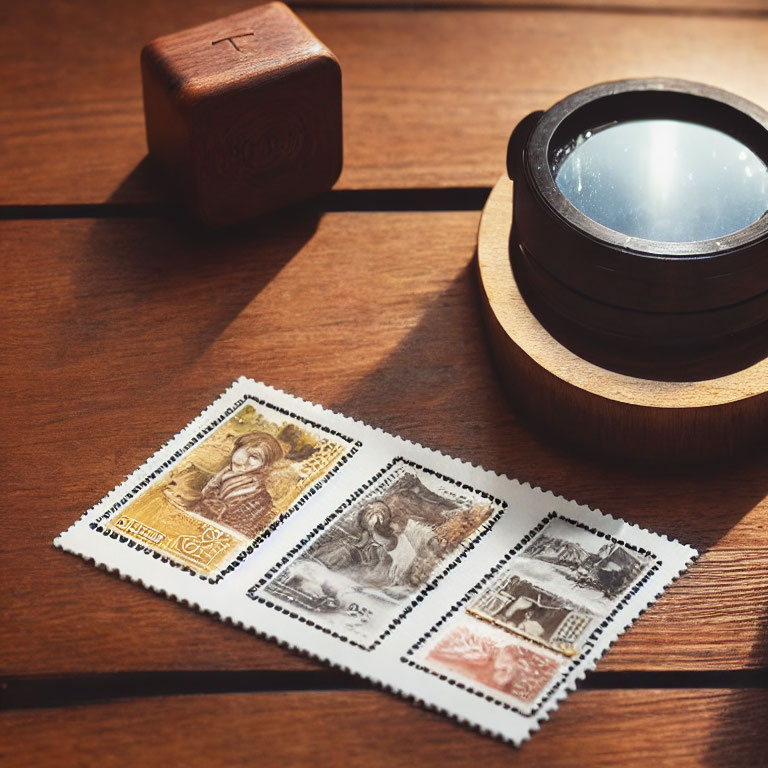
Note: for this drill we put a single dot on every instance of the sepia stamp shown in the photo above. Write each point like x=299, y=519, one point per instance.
x=377, y=553
x=559, y=586
x=231, y=488
x=519, y=606
x=597, y=568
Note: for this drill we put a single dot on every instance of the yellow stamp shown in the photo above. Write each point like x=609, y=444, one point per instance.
x=231, y=488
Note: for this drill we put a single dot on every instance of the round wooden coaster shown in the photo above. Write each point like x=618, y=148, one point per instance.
x=680, y=422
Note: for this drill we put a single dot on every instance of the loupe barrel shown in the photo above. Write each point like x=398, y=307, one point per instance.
x=640, y=212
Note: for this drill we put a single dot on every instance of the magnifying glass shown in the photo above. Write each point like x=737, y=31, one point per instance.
x=639, y=219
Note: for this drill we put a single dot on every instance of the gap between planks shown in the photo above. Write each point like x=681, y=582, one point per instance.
x=34, y=692
x=337, y=201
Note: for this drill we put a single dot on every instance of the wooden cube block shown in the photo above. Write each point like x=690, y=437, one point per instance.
x=243, y=114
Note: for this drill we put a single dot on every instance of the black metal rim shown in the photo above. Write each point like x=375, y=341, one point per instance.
x=628, y=272
x=632, y=99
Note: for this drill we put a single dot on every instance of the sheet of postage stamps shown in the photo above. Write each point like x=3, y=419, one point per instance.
x=457, y=587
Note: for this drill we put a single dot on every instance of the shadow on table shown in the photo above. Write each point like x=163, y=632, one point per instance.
x=439, y=388
x=741, y=736
x=150, y=273
x=141, y=186
x=436, y=386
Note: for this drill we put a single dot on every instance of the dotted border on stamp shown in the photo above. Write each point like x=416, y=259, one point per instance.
x=352, y=447
x=482, y=530
x=589, y=644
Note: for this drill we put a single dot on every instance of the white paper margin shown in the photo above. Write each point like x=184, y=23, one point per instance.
x=227, y=599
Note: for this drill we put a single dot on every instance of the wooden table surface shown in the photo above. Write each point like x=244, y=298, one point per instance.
x=120, y=323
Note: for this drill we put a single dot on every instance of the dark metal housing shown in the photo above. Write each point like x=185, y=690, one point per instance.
x=641, y=300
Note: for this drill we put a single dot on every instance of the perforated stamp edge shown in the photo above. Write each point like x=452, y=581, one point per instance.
x=679, y=557
x=160, y=463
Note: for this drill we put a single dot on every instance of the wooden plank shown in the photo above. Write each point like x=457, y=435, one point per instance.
x=119, y=332
x=594, y=728
x=690, y=7
x=429, y=96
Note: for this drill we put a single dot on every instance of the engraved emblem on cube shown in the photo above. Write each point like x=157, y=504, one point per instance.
x=519, y=606
x=232, y=40
x=231, y=488
x=368, y=565
x=488, y=660
x=243, y=114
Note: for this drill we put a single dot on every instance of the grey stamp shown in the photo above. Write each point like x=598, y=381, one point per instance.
x=371, y=561
x=559, y=586
x=589, y=563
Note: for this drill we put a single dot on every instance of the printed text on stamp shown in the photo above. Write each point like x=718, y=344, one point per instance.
x=230, y=489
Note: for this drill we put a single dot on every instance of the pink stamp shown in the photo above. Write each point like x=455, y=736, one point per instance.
x=480, y=656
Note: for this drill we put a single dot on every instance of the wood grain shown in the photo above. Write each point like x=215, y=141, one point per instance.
x=247, y=124
x=121, y=331
x=629, y=7
x=117, y=332
x=366, y=728
x=439, y=118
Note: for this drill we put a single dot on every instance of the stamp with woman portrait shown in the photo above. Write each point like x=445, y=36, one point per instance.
x=231, y=488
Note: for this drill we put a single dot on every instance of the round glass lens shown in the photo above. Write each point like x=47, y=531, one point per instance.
x=666, y=180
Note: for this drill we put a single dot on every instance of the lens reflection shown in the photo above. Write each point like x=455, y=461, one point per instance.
x=665, y=180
